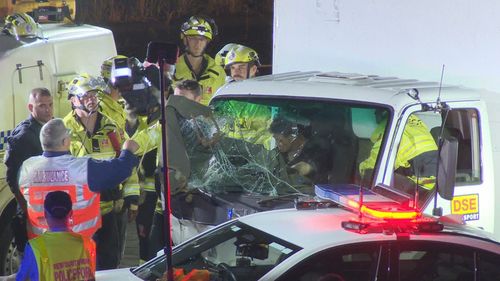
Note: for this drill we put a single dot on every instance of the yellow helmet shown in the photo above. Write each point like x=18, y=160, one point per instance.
x=107, y=65
x=221, y=55
x=84, y=83
x=21, y=24
x=241, y=54
x=197, y=25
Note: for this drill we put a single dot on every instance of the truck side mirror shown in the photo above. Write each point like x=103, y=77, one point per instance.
x=447, y=166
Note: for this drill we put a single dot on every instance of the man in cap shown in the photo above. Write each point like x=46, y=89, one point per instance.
x=59, y=253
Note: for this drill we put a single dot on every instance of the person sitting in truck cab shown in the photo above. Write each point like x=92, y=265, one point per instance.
x=306, y=158
x=416, y=159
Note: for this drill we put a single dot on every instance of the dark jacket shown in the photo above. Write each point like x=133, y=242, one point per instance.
x=23, y=143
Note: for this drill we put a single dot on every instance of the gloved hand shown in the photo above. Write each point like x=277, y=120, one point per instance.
x=303, y=168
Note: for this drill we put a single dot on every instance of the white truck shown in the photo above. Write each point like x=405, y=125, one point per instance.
x=52, y=61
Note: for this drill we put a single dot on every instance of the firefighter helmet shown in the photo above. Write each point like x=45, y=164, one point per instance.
x=241, y=54
x=221, y=55
x=84, y=83
x=21, y=24
x=197, y=25
x=107, y=65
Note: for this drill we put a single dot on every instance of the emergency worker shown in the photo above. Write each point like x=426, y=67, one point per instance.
x=56, y=169
x=94, y=134
x=109, y=98
x=23, y=143
x=128, y=119
x=416, y=159
x=60, y=253
x=307, y=159
x=242, y=62
x=21, y=25
x=194, y=64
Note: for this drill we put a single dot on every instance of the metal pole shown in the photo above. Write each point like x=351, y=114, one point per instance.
x=166, y=190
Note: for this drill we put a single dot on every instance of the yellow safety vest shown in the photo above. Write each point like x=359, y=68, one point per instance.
x=211, y=78
x=104, y=144
x=112, y=109
x=64, y=256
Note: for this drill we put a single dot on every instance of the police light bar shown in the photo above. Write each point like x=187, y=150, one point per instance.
x=366, y=202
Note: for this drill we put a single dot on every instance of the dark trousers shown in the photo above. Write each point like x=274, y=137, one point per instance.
x=144, y=222
x=107, y=243
x=157, y=235
x=122, y=222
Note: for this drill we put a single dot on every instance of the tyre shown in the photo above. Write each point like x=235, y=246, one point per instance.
x=9, y=257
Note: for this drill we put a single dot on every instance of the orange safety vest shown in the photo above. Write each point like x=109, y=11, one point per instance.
x=40, y=175
x=64, y=256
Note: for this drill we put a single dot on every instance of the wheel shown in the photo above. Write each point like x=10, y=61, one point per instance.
x=225, y=272
x=9, y=257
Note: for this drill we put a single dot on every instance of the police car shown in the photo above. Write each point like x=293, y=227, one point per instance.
x=355, y=234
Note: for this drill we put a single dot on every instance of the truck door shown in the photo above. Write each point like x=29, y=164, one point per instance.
x=25, y=77
x=473, y=197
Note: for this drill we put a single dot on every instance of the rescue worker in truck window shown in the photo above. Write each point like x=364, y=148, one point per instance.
x=58, y=254
x=194, y=64
x=81, y=177
x=416, y=159
x=23, y=143
x=95, y=135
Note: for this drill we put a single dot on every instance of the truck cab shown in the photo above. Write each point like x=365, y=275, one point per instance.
x=338, y=112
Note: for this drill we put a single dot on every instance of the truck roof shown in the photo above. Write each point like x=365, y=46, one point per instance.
x=51, y=32
x=347, y=86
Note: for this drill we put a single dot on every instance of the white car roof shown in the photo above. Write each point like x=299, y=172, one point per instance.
x=348, y=86
x=321, y=228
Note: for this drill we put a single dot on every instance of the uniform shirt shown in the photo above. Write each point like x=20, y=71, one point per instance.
x=23, y=143
x=212, y=76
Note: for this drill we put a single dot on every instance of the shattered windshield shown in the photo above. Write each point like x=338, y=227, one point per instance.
x=278, y=147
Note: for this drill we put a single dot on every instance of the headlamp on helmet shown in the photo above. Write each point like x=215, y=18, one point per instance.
x=197, y=25
x=221, y=55
x=83, y=84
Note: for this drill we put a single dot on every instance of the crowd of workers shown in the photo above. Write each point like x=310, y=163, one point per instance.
x=78, y=180
x=77, y=177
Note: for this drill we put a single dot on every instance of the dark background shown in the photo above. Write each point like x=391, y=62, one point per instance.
x=136, y=22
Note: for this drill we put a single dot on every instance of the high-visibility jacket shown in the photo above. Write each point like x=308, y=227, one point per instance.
x=250, y=122
x=212, y=76
x=112, y=109
x=105, y=143
x=64, y=256
x=416, y=140
x=40, y=175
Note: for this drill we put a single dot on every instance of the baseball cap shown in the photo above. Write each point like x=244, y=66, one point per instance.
x=58, y=204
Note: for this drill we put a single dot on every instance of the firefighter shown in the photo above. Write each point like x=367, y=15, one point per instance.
x=194, y=64
x=95, y=135
x=21, y=25
x=416, y=157
x=23, y=143
x=221, y=56
x=132, y=123
x=242, y=62
x=58, y=254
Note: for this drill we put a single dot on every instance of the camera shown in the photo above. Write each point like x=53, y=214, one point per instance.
x=131, y=79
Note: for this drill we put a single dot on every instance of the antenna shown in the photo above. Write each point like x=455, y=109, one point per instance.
x=438, y=101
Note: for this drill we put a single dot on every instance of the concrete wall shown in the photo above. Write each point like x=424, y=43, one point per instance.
x=408, y=39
